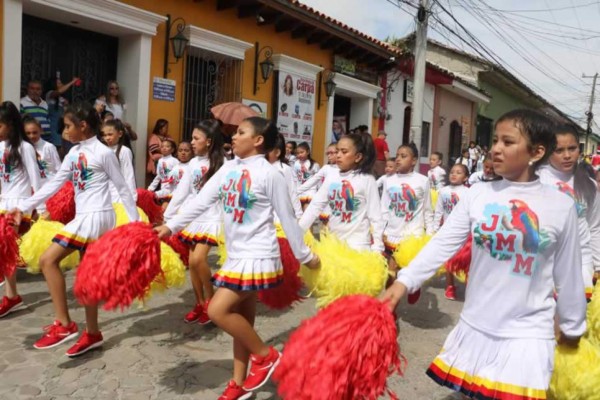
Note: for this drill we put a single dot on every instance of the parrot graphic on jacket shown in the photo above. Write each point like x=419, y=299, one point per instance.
x=243, y=188
x=82, y=167
x=409, y=196
x=347, y=193
x=523, y=219
x=454, y=199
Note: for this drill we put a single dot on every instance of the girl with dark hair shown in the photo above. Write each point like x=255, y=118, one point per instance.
x=405, y=203
x=90, y=165
x=19, y=177
x=203, y=232
x=277, y=158
x=352, y=195
x=159, y=133
x=165, y=167
x=447, y=198
x=568, y=175
x=525, y=246
x=290, y=152
x=304, y=168
x=114, y=136
x=251, y=191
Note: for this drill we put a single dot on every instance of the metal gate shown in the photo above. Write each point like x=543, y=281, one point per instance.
x=210, y=79
x=50, y=48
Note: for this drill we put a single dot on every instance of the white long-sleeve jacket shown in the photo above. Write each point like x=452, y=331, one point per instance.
x=189, y=187
x=406, y=206
x=447, y=199
x=292, y=186
x=49, y=161
x=437, y=178
x=19, y=183
x=126, y=166
x=90, y=165
x=163, y=176
x=251, y=191
x=355, y=216
x=525, y=245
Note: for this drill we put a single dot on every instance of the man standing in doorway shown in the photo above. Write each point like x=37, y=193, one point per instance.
x=35, y=106
x=383, y=152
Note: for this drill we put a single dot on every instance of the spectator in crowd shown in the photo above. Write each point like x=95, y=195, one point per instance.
x=56, y=106
x=159, y=133
x=465, y=159
x=33, y=104
x=112, y=101
x=382, y=153
x=337, y=129
x=474, y=154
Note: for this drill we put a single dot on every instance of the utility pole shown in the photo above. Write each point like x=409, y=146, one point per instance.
x=416, y=119
x=590, y=113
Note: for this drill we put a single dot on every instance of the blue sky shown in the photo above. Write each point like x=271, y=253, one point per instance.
x=548, y=44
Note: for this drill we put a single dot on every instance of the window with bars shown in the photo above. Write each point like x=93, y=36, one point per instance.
x=210, y=79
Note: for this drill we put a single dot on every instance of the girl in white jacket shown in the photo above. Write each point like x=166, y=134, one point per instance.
x=525, y=245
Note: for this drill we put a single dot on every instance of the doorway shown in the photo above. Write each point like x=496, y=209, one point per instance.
x=52, y=50
x=341, y=117
x=455, y=142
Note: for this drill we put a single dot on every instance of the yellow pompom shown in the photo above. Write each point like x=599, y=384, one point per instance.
x=172, y=268
x=35, y=242
x=434, y=197
x=408, y=249
x=576, y=372
x=344, y=271
x=309, y=239
x=593, y=317
x=122, y=217
x=221, y=250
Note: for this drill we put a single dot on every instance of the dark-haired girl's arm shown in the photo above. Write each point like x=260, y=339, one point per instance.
x=317, y=204
x=63, y=174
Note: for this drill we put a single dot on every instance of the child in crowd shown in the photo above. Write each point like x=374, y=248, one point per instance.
x=390, y=170
x=91, y=166
x=113, y=135
x=166, y=164
x=565, y=174
x=251, y=189
x=405, y=203
x=19, y=177
x=277, y=158
x=486, y=175
x=436, y=173
x=317, y=179
x=290, y=152
x=184, y=155
x=447, y=200
x=304, y=168
x=351, y=194
x=465, y=159
x=525, y=245
x=203, y=232
x=47, y=155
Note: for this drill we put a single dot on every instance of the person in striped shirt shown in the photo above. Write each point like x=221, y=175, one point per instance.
x=35, y=106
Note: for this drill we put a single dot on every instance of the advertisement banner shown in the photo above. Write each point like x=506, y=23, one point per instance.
x=296, y=106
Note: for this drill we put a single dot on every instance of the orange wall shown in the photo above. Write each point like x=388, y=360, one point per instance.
x=204, y=14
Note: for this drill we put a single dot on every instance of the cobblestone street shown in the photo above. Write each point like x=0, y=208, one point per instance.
x=150, y=353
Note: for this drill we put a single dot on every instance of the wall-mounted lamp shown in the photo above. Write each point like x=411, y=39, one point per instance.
x=442, y=120
x=329, y=86
x=178, y=41
x=266, y=65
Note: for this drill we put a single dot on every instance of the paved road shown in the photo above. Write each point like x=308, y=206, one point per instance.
x=150, y=353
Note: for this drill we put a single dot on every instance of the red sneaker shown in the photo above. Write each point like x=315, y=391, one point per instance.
x=86, y=342
x=56, y=334
x=10, y=305
x=261, y=369
x=234, y=392
x=203, y=319
x=194, y=315
x=450, y=292
x=414, y=297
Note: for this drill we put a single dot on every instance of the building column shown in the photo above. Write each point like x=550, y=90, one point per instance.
x=12, y=28
x=133, y=72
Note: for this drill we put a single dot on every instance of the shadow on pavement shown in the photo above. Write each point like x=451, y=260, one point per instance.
x=424, y=314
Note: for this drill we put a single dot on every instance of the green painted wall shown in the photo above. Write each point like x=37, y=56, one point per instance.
x=500, y=103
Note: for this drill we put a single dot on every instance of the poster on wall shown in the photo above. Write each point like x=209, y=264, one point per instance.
x=338, y=128
x=295, y=106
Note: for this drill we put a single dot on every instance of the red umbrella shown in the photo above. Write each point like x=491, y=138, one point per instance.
x=233, y=113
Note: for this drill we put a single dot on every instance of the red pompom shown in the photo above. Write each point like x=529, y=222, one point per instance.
x=180, y=248
x=9, y=248
x=61, y=206
x=347, y=351
x=286, y=294
x=461, y=260
x=146, y=200
x=119, y=267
